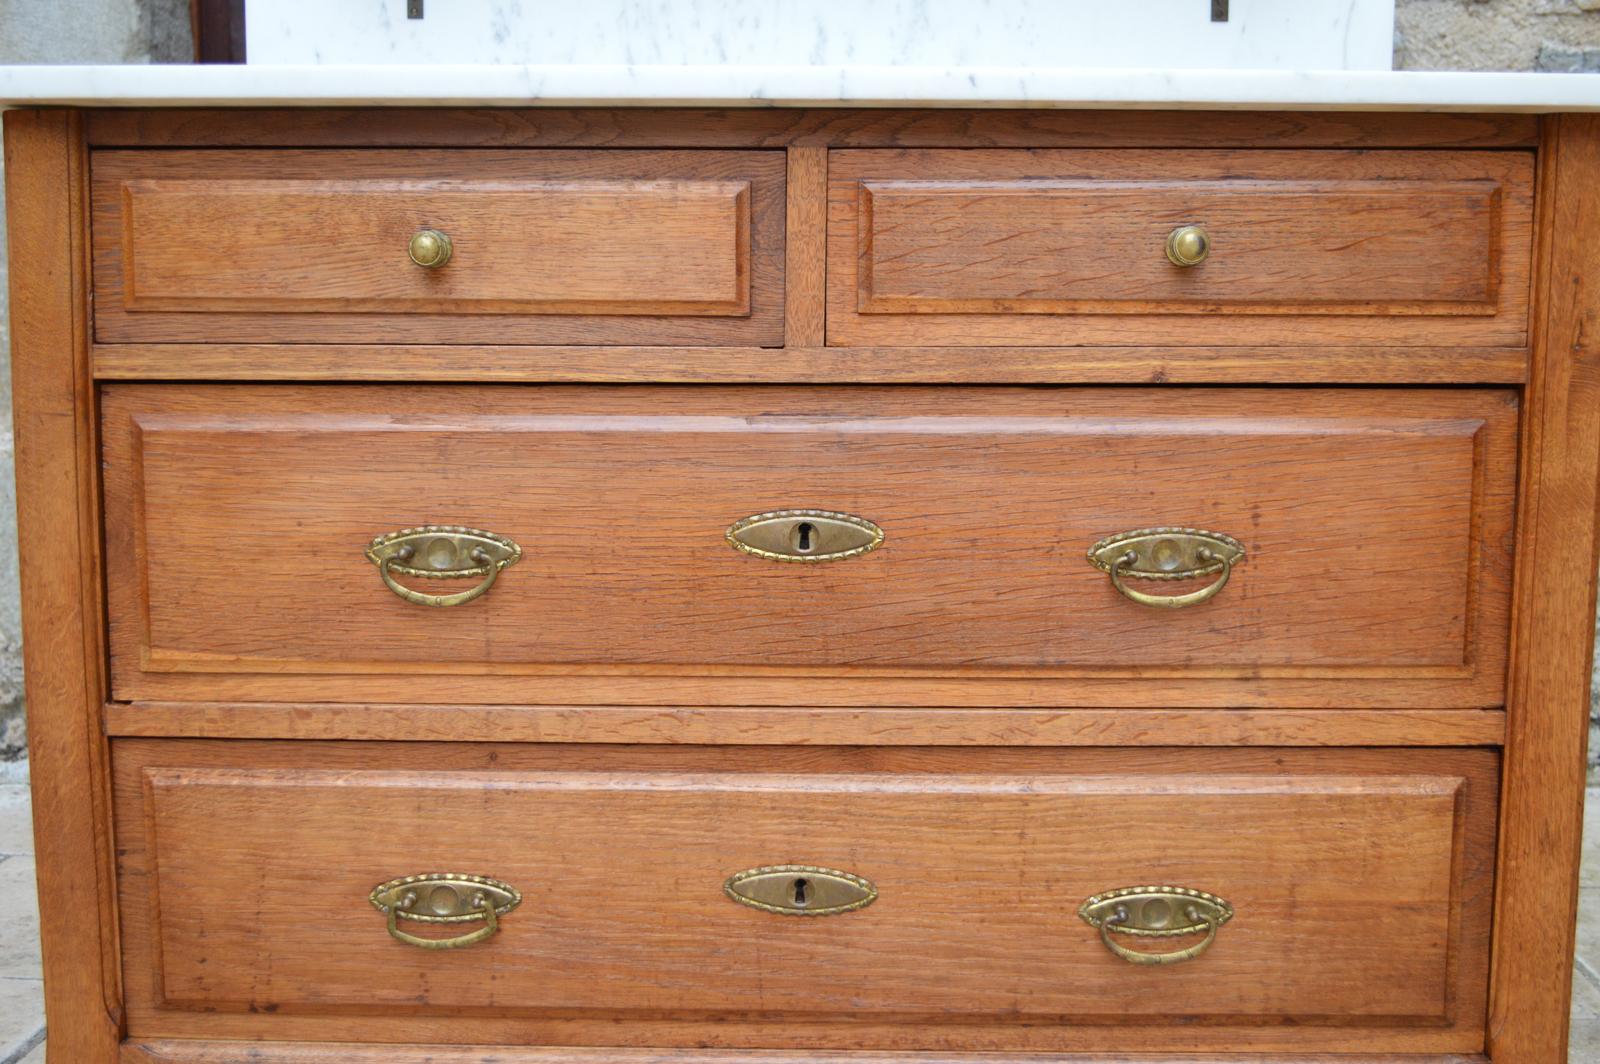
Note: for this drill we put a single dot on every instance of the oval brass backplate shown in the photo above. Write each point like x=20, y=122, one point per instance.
x=1167, y=553
x=804, y=535
x=444, y=897
x=442, y=551
x=800, y=890
x=1156, y=911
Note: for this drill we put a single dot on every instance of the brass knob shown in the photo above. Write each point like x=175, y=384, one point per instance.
x=431, y=249
x=1188, y=245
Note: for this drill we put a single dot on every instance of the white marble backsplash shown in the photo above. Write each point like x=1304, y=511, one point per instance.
x=1259, y=34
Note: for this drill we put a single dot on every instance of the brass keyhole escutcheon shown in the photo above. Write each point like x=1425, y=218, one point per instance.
x=809, y=536
x=800, y=890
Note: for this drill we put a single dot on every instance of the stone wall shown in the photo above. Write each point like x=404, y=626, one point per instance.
x=1554, y=35
x=60, y=31
x=95, y=31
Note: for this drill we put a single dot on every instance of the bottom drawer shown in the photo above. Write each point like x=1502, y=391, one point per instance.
x=1359, y=884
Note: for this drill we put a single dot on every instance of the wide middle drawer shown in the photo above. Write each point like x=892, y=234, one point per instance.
x=1370, y=564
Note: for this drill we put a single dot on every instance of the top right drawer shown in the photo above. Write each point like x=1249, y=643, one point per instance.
x=1203, y=248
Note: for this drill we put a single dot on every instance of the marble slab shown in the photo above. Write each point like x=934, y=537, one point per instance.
x=774, y=86
x=1268, y=34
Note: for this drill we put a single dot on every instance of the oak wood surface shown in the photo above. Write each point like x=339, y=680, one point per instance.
x=523, y=245
x=1193, y=688
x=779, y=127
x=196, y=1052
x=808, y=725
x=550, y=247
x=245, y=869
x=805, y=298
x=1085, y=244
x=813, y=365
x=1013, y=723
x=1067, y=247
x=1377, y=527
x=61, y=587
x=1553, y=634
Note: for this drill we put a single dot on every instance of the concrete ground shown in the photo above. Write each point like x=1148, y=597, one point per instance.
x=22, y=1007
x=21, y=992
x=1586, y=976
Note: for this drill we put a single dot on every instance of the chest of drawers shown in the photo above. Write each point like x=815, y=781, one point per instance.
x=550, y=587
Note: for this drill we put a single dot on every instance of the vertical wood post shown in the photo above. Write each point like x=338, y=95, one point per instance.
x=1552, y=632
x=63, y=633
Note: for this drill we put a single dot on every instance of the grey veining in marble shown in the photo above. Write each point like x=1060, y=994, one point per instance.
x=1275, y=34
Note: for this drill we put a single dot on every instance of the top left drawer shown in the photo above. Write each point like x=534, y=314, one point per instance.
x=546, y=247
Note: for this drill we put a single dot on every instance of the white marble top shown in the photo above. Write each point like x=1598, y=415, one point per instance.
x=791, y=86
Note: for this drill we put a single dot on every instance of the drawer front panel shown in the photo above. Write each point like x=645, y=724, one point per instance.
x=1039, y=247
x=545, y=247
x=1359, y=884
x=1375, y=528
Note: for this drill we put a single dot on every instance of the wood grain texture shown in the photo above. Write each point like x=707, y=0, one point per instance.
x=61, y=588
x=859, y=688
x=1067, y=247
x=187, y=1052
x=691, y=127
x=526, y=246
x=806, y=274
x=808, y=725
x=1376, y=862
x=1553, y=634
x=550, y=247
x=1232, y=763
x=1084, y=245
x=1377, y=526
x=813, y=365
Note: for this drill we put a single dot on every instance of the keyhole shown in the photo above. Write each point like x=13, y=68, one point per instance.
x=800, y=888
x=803, y=534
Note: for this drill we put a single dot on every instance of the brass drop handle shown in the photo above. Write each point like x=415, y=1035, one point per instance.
x=1133, y=956
x=1167, y=553
x=445, y=898
x=405, y=554
x=1130, y=559
x=430, y=249
x=1188, y=245
x=434, y=552
x=480, y=903
x=1156, y=912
